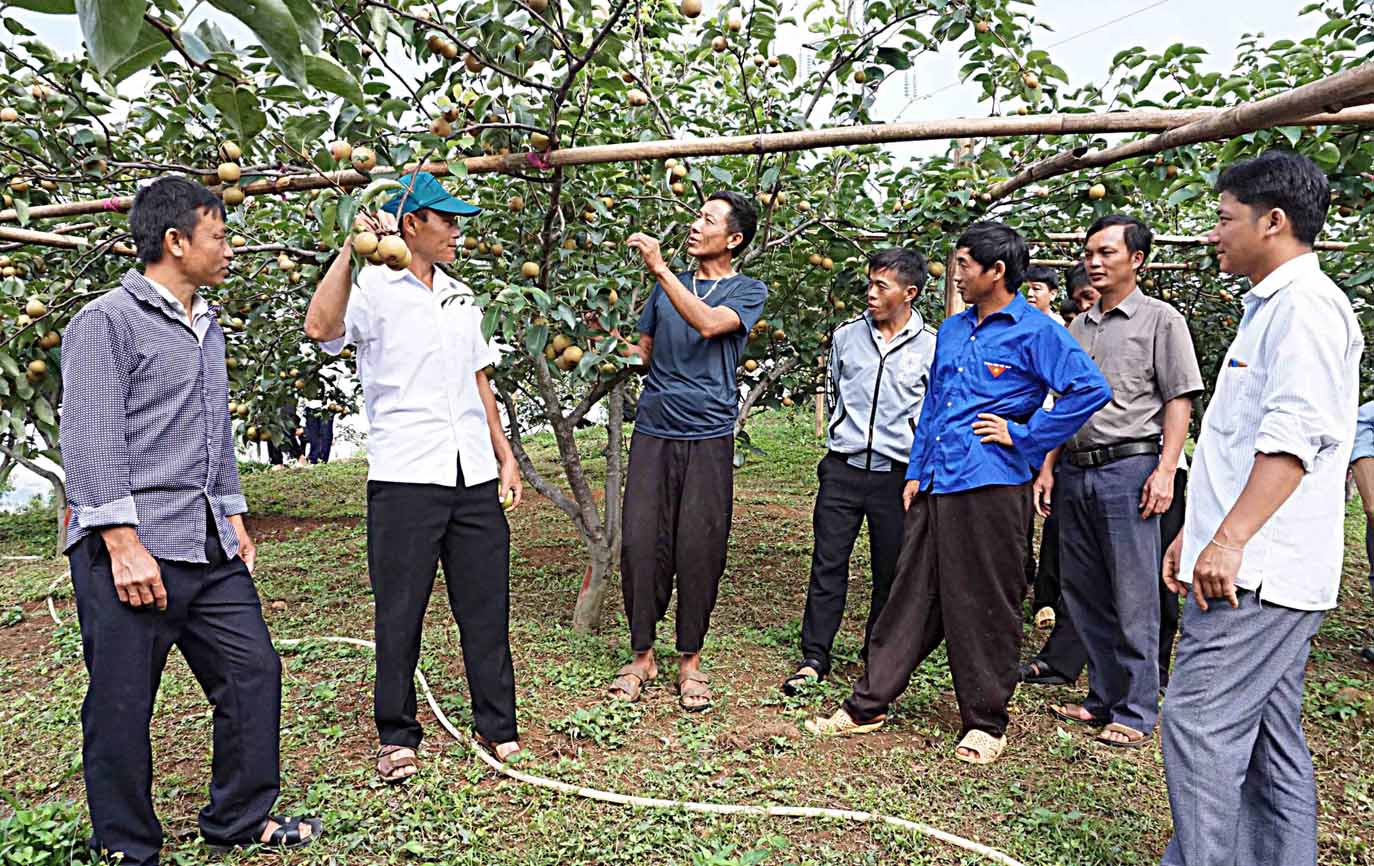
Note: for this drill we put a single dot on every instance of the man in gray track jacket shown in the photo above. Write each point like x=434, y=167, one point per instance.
x=879, y=367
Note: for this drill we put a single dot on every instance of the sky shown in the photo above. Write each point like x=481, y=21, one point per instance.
x=1090, y=33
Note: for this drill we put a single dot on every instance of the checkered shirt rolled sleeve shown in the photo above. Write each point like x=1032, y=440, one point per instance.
x=96, y=362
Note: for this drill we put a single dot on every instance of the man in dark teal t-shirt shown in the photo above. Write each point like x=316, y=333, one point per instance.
x=680, y=483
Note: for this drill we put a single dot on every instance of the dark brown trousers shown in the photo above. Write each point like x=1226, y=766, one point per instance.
x=678, y=498
x=959, y=579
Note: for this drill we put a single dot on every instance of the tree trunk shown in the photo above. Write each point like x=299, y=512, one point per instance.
x=604, y=551
x=587, y=613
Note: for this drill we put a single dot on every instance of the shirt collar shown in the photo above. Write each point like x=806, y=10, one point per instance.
x=1128, y=306
x=1014, y=311
x=913, y=324
x=157, y=295
x=199, y=307
x=1285, y=274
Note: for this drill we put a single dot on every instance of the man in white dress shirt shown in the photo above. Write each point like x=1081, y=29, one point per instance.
x=1263, y=538
x=439, y=465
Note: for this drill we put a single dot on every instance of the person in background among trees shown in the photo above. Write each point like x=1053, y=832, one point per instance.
x=160, y=556
x=1115, y=477
x=1068, y=309
x=319, y=433
x=1263, y=540
x=292, y=447
x=679, y=485
x=982, y=434
x=1362, y=467
x=440, y=467
x=878, y=372
x=1081, y=289
x=1042, y=288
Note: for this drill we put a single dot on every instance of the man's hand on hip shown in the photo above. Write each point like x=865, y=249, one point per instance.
x=992, y=428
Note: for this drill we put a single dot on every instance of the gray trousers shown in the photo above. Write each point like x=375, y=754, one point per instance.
x=1241, y=786
x=1109, y=561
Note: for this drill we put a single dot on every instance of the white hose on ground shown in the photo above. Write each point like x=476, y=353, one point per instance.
x=491, y=761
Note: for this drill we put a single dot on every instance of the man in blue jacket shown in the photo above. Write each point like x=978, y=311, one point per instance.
x=982, y=435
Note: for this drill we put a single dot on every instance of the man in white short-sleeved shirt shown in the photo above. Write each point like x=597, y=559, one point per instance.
x=439, y=465
x=1263, y=538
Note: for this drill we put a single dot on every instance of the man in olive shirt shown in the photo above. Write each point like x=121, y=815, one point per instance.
x=1116, y=477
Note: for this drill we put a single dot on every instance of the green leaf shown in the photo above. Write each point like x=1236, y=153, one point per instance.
x=105, y=25
x=271, y=21
x=1187, y=193
x=195, y=46
x=308, y=20
x=239, y=108
x=213, y=37
x=150, y=47
x=1292, y=133
x=324, y=73
x=1328, y=156
x=43, y=411
x=8, y=364
x=535, y=338
x=894, y=57
x=490, y=319
x=50, y=7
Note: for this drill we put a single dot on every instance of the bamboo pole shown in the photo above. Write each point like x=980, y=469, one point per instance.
x=53, y=239
x=1177, y=240
x=1161, y=266
x=1141, y=120
x=1346, y=87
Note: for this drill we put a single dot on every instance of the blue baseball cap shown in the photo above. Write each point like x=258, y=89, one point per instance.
x=427, y=193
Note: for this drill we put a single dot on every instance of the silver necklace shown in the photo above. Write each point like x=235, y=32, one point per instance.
x=710, y=291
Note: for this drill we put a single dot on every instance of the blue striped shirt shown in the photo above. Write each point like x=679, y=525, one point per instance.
x=1004, y=366
x=146, y=435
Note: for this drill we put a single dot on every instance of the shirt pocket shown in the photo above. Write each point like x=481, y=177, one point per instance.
x=1236, y=399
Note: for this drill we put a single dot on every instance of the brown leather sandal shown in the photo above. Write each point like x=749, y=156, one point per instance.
x=630, y=681
x=394, y=770
x=694, y=686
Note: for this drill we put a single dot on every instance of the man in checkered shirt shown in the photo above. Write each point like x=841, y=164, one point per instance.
x=159, y=553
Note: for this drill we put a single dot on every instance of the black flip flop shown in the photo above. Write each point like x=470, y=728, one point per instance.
x=1065, y=717
x=1050, y=677
x=793, y=685
x=287, y=836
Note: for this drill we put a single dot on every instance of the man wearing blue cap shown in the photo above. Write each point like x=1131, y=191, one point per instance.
x=439, y=464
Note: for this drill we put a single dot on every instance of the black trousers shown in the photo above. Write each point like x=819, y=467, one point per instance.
x=319, y=435
x=214, y=618
x=1046, y=591
x=847, y=496
x=410, y=529
x=959, y=577
x=678, y=501
x=1063, y=652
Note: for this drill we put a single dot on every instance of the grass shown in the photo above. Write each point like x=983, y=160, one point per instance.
x=1055, y=798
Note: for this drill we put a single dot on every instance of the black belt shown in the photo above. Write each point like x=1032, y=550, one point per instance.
x=1093, y=457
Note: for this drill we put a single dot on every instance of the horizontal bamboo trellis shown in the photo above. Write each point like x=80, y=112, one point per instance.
x=1141, y=120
